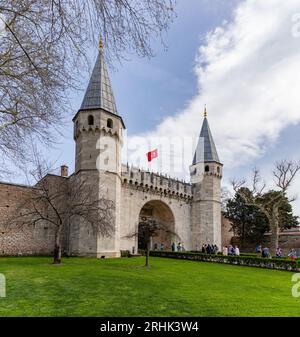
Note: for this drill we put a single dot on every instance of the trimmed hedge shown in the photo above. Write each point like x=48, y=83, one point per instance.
x=250, y=261
x=125, y=253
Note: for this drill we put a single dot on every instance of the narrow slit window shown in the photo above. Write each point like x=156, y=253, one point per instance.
x=91, y=120
x=110, y=123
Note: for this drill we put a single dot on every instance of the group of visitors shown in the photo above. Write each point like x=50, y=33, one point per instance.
x=209, y=249
x=265, y=252
x=177, y=248
x=231, y=250
x=161, y=247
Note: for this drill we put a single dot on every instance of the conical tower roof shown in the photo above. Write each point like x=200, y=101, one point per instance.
x=206, y=149
x=99, y=93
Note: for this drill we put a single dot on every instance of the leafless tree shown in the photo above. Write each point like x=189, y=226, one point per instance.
x=225, y=196
x=60, y=204
x=44, y=48
x=269, y=202
x=149, y=229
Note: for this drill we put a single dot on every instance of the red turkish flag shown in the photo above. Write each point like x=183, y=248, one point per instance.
x=152, y=154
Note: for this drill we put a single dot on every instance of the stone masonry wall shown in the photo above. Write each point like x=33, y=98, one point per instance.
x=140, y=188
x=16, y=238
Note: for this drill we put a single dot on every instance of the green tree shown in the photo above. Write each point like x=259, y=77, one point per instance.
x=274, y=204
x=248, y=222
x=286, y=219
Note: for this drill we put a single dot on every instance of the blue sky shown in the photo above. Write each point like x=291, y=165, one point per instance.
x=241, y=58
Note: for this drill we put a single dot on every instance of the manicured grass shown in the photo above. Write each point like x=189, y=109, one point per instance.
x=122, y=287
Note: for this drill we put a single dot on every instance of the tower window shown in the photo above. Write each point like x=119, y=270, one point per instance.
x=110, y=123
x=218, y=169
x=91, y=120
x=206, y=168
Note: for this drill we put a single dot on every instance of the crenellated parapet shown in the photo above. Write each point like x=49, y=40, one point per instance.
x=96, y=122
x=155, y=183
x=102, y=131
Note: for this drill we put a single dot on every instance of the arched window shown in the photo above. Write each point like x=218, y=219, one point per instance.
x=91, y=120
x=110, y=123
x=218, y=169
x=206, y=168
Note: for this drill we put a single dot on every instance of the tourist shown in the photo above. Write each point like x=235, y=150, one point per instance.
x=266, y=252
x=236, y=251
x=231, y=250
x=225, y=251
x=292, y=254
x=162, y=247
x=179, y=247
x=155, y=246
x=173, y=247
x=279, y=252
x=216, y=249
x=203, y=248
x=258, y=249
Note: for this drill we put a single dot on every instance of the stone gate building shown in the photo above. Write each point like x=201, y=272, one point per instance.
x=191, y=210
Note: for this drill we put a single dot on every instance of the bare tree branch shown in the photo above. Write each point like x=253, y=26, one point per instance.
x=61, y=204
x=284, y=173
x=44, y=51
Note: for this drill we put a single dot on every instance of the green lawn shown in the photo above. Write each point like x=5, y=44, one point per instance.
x=122, y=287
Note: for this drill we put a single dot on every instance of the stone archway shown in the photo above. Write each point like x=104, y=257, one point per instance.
x=161, y=212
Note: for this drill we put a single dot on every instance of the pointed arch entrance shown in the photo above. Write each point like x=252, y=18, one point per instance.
x=159, y=211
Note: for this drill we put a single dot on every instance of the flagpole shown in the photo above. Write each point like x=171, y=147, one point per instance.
x=149, y=166
x=160, y=159
x=149, y=161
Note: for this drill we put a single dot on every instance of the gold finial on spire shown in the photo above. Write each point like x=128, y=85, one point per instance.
x=101, y=43
x=205, y=111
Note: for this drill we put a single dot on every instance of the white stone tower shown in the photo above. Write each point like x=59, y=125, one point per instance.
x=98, y=135
x=206, y=174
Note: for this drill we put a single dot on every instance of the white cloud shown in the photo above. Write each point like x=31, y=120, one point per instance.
x=248, y=75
